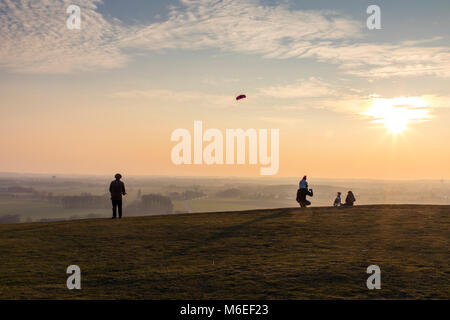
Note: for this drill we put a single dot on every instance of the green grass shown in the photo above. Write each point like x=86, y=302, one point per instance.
x=263, y=254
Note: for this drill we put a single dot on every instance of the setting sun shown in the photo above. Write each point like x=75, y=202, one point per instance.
x=397, y=113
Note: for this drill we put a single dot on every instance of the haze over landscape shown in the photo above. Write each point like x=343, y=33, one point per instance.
x=31, y=198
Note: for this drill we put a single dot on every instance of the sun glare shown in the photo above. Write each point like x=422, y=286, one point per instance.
x=397, y=113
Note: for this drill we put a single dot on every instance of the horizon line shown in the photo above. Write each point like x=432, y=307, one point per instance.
x=228, y=177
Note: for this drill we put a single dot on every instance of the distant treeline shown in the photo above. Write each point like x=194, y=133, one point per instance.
x=13, y=190
x=151, y=203
x=83, y=201
x=17, y=189
x=186, y=195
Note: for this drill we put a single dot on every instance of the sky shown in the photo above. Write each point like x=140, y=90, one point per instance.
x=349, y=102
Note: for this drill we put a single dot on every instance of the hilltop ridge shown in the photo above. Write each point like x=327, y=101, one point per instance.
x=286, y=253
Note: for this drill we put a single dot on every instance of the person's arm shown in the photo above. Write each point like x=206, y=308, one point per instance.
x=123, y=189
x=110, y=187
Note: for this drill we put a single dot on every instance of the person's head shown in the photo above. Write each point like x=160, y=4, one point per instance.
x=304, y=177
x=118, y=176
x=339, y=193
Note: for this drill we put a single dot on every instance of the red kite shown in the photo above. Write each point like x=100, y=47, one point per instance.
x=242, y=96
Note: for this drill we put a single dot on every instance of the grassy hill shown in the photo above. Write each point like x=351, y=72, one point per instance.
x=262, y=254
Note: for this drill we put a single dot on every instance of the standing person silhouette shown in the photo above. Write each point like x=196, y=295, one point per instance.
x=117, y=189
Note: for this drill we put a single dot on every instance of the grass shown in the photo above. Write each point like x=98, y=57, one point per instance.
x=287, y=253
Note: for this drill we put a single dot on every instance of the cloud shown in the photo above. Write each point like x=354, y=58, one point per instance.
x=396, y=113
x=437, y=101
x=35, y=39
x=315, y=93
x=34, y=36
x=278, y=32
x=243, y=26
x=177, y=97
x=309, y=88
x=393, y=112
x=385, y=60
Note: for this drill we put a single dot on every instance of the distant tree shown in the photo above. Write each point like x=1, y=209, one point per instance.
x=193, y=194
x=19, y=189
x=174, y=195
x=84, y=201
x=156, y=203
x=187, y=195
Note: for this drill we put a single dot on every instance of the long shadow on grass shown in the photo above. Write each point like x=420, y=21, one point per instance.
x=230, y=231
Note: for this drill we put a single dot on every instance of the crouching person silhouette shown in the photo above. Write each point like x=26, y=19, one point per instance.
x=117, y=189
x=349, y=200
x=302, y=192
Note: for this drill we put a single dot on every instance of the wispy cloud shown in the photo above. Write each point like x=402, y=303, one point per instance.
x=159, y=96
x=243, y=26
x=35, y=39
x=34, y=36
x=387, y=60
x=314, y=93
x=377, y=109
x=309, y=88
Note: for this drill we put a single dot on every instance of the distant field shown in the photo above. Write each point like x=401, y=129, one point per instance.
x=288, y=253
x=209, y=204
x=41, y=209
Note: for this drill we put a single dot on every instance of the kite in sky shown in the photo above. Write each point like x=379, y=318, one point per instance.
x=242, y=96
